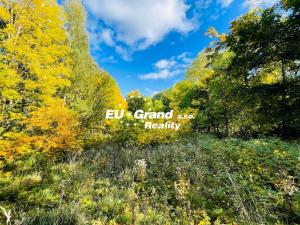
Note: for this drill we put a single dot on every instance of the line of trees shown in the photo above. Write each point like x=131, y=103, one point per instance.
x=52, y=93
x=53, y=96
x=247, y=82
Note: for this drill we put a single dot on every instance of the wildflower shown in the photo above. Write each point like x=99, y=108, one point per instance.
x=140, y=169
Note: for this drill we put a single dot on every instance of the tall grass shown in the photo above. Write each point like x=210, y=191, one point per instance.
x=197, y=180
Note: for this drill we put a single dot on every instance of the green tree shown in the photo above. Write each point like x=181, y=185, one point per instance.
x=135, y=101
x=92, y=90
x=268, y=40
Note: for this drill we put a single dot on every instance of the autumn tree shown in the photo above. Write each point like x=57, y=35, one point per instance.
x=92, y=90
x=33, y=76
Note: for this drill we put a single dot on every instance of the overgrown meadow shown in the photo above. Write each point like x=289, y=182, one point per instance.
x=197, y=180
x=63, y=163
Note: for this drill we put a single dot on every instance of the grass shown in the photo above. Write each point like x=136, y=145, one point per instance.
x=197, y=180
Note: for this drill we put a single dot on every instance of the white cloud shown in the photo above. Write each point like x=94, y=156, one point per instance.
x=125, y=53
x=164, y=64
x=94, y=40
x=161, y=74
x=167, y=68
x=254, y=4
x=184, y=57
x=106, y=36
x=140, y=24
x=226, y=3
x=202, y=4
x=109, y=59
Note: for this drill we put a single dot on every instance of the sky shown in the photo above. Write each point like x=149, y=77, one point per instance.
x=148, y=44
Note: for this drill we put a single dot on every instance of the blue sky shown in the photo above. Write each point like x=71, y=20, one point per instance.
x=147, y=44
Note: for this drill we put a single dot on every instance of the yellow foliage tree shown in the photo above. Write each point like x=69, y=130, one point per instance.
x=33, y=76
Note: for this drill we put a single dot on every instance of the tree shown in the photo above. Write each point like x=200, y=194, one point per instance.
x=34, y=74
x=261, y=38
x=268, y=40
x=92, y=90
x=199, y=71
x=135, y=101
